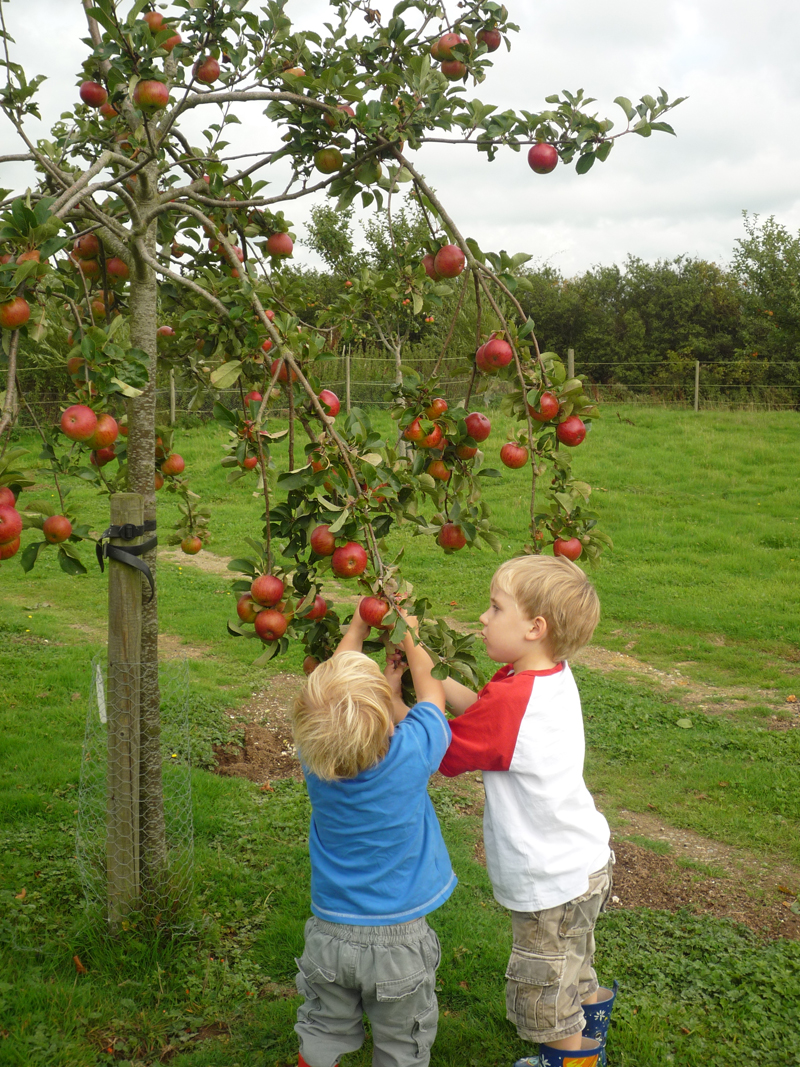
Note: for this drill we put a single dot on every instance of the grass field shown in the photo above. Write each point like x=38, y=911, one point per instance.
x=703, y=581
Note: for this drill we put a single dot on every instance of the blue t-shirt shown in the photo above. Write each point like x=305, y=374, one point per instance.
x=377, y=853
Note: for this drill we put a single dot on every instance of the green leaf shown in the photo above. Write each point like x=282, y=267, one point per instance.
x=626, y=106
x=69, y=562
x=30, y=554
x=585, y=163
x=685, y=724
x=226, y=375
x=440, y=672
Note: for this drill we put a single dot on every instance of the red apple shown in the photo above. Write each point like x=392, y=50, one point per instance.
x=102, y=456
x=89, y=268
x=191, y=545
x=151, y=94
x=249, y=463
x=548, y=408
x=14, y=313
x=372, y=610
x=247, y=608
x=158, y=481
x=328, y=160
x=117, y=269
x=10, y=524
x=433, y=439
x=322, y=541
x=348, y=561
x=491, y=38
x=7, y=498
x=270, y=624
x=449, y=261
x=414, y=431
x=436, y=408
x=267, y=345
x=56, y=528
x=330, y=401
x=32, y=255
x=108, y=111
x=173, y=464
x=439, y=470
x=453, y=69
x=93, y=94
x=446, y=44
x=332, y=121
x=154, y=19
x=451, y=536
x=571, y=431
x=78, y=422
x=430, y=270
x=466, y=451
x=319, y=609
x=571, y=548
x=267, y=590
x=542, y=158
x=165, y=331
x=9, y=549
x=514, y=455
x=105, y=432
x=170, y=42
x=310, y=664
x=493, y=355
x=86, y=247
x=283, y=375
x=253, y=395
x=280, y=244
x=206, y=70
x=478, y=426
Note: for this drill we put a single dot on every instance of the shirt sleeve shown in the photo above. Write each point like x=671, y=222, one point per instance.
x=431, y=731
x=485, y=736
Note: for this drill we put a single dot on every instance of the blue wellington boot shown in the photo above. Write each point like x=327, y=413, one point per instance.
x=598, y=1017
x=588, y=1055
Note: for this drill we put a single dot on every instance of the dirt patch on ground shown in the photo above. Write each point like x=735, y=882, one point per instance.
x=696, y=873
x=691, y=693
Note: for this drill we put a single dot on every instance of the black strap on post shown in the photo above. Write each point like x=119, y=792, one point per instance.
x=128, y=532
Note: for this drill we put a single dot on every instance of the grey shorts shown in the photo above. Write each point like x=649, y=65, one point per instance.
x=385, y=972
x=551, y=971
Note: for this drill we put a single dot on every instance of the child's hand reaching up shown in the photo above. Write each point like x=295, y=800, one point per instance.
x=393, y=672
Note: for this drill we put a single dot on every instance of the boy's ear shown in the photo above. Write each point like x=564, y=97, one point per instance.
x=537, y=630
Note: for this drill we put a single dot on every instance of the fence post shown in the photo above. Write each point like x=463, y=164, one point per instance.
x=347, y=379
x=570, y=362
x=172, y=396
x=697, y=385
x=124, y=667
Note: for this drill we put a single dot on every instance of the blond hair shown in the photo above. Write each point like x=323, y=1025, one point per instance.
x=559, y=591
x=342, y=720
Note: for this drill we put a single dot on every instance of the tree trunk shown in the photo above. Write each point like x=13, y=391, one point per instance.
x=141, y=475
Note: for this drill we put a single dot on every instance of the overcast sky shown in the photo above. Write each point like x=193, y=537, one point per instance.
x=736, y=149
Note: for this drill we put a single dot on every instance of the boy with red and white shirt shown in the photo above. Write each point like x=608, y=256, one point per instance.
x=547, y=846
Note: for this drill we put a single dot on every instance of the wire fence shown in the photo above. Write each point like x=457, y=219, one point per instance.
x=169, y=894
x=365, y=381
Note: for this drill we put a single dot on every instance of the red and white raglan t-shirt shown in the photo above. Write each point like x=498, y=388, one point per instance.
x=542, y=833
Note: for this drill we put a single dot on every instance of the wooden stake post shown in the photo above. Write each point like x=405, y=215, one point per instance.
x=124, y=658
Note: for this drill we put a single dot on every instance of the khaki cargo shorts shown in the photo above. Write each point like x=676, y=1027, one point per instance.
x=551, y=971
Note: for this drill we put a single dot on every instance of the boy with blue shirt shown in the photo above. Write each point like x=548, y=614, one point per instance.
x=379, y=864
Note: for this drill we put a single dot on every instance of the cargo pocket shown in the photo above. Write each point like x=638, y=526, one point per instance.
x=532, y=985
x=425, y=1026
x=397, y=988
x=580, y=914
x=310, y=976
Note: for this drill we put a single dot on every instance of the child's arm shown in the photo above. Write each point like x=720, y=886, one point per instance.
x=459, y=697
x=427, y=688
x=395, y=667
x=355, y=635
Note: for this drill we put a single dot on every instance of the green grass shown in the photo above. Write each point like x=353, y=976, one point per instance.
x=703, y=580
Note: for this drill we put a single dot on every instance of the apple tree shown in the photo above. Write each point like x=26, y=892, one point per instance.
x=146, y=241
